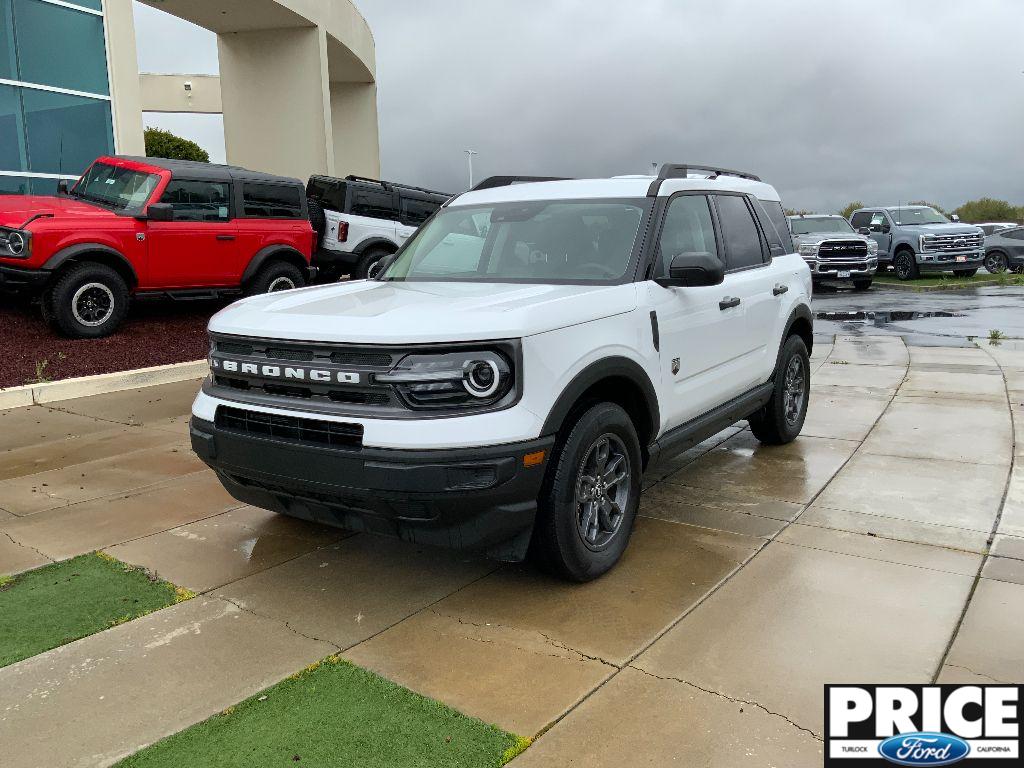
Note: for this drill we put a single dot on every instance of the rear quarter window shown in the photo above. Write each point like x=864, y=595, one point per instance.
x=777, y=216
x=271, y=201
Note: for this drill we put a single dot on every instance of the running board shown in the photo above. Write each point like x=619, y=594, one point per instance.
x=687, y=435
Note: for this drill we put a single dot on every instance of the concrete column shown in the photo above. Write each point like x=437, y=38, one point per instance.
x=272, y=88
x=123, y=65
x=354, y=117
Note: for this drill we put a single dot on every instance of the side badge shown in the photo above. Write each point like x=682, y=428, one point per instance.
x=140, y=236
x=675, y=366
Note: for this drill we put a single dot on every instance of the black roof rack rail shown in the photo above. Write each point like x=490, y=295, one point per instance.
x=506, y=181
x=683, y=170
x=397, y=184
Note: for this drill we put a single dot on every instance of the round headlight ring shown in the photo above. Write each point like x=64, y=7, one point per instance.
x=481, y=378
x=16, y=243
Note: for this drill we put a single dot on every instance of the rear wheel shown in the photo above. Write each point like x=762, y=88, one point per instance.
x=965, y=272
x=370, y=264
x=781, y=420
x=88, y=301
x=861, y=285
x=905, y=264
x=995, y=262
x=274, y=277
x=591, y=496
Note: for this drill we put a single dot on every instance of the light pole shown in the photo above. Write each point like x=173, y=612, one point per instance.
x=469, y=155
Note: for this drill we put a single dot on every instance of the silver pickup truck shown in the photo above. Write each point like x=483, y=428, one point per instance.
x=834, y=250
x=917, y=238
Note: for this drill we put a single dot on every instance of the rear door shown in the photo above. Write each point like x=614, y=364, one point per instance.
x=200, y=246
x=412, y=213
x=373, y=215
x=1014, y=243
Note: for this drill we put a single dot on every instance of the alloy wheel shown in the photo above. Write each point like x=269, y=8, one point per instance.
x=280, y=284
x=794, y=389
x=603, y=488
x=995, y=263
x=93, y=304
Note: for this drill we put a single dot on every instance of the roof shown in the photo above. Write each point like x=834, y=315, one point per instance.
x=208, y=171
x=626, y=187
x=817, y=216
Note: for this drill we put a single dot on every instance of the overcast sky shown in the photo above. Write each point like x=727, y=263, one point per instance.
x=829, y=101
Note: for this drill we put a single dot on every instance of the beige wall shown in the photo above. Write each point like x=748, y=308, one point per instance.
x=296, y=87
x=167, y=93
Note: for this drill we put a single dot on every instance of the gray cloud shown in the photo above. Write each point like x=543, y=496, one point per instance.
x=830, y=101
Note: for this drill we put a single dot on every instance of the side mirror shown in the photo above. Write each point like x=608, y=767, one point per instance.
x=954, y=217
x=692, y=269
x=62, y=188
x=864, y=230
x=886, y=229
x=160, y=212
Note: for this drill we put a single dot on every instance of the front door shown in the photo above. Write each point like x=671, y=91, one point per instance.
x=701, y=330
x=199, y=247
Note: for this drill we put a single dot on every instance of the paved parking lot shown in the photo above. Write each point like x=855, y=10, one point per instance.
x=885, y=545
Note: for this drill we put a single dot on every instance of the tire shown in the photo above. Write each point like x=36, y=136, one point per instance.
x=905, y=264
x=275, y=276
x=318, y=220
x=965, y=272
x=369, y=264
x=578, y=539
x=996, y=262
x=861, y=285
x=88, y=301
x=781, y=420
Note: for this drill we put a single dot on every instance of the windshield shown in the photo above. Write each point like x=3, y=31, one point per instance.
x=547, y=241
x=918, y=215
x=115, y=187
x=810, y=224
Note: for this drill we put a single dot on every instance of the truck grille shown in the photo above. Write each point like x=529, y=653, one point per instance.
x=842, y=250
x=952, y=242
x=332, y=434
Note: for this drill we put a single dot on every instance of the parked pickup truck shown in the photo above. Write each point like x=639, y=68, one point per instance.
x=834, y=251
x=133, y=227
x=917, y=238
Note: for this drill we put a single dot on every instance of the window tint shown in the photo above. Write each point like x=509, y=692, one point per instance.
x=777, y=216
x=771, y=234
x=688, y=229
x=861, y=219
x=374, y=203
x=271, y=201
x=330, y=194
x=739, y=233
x=1014, y=234
x=199, y=200
x=415, y=212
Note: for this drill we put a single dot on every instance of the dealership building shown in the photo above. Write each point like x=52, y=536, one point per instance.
x=297, y=86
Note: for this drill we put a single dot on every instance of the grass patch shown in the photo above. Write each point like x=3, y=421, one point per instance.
x=951, y=281
x=58, y=603
x=334, y=713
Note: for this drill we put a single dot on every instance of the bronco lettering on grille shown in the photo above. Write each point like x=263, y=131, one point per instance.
x=284, y=372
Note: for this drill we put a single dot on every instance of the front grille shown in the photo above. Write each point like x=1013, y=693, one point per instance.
x=952, y=242
x=842, y=249
x=294, y=429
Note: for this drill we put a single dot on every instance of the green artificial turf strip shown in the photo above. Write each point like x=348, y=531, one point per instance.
x=947, y=279
x=58, y=603
x=335, y=714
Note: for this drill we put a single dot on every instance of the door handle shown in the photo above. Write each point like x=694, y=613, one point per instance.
x=729, y=302
x=225, y=237
x=778, y=290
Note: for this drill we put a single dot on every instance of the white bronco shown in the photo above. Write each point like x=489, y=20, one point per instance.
x=501, y=386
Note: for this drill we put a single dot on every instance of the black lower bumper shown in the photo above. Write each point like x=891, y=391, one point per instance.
x=20, y=280
x=328, y=260
x=476, y=499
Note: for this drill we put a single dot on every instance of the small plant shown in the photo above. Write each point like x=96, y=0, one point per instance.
x=40, y=377
x=995, y=335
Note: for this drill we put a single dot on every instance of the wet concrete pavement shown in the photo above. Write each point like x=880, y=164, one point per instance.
x=859, y=553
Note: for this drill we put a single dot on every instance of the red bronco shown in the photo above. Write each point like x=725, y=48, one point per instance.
x=136, y=227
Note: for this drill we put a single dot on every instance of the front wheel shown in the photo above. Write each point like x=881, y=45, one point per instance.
x=861, y=285
x=88, y=301
x=782, y=418
x=996, y=262
x=905, y=264
x=591, y=496
x=964, y=272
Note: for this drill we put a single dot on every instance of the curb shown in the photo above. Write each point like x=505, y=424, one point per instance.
x=101, y=384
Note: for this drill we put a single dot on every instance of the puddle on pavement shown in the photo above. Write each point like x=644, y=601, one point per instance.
x=881, y=318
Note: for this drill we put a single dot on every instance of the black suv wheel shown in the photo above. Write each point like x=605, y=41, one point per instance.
x=88, y=301
x=591, y=496
x=781, y=420
x=276, y=276
x=370, y=264
x=905, y=264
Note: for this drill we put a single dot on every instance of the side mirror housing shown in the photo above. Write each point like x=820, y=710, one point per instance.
x=692, y=269
x=62, y=187
x=160, y=212
x=886, y=229
x=864, y=230
x=954, y=217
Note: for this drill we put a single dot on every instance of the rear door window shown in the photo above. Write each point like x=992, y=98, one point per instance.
x=743, y=245
x=198, y=200
x=271, y=201
x=415, y=212
x=330, y=193
x=373, y=203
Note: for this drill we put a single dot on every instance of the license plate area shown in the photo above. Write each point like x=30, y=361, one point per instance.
x=961, y=258
x=844, y=273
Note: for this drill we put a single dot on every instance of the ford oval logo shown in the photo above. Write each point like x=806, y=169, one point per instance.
x=924, y=749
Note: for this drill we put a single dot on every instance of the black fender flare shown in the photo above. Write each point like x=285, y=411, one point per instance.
x=75, y=252
x=375, y=242
x=800, y=312
x=609, y=367
x=285, y=252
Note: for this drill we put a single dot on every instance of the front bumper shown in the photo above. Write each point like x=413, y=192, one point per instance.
x=475, y=499
x=21, y=280
x=946, y=261
x=858, y=269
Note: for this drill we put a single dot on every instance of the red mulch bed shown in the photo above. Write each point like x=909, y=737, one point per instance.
x=155, y=333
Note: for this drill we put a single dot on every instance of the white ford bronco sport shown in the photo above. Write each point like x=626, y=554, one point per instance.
x=502, y=384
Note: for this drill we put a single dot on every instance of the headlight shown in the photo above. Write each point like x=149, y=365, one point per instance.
x=872, y=247
x=922, y=243
x=471, y=378
x=808, y=249
x=15, y=242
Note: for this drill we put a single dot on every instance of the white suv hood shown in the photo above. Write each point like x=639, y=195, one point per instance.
x=366, y=311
